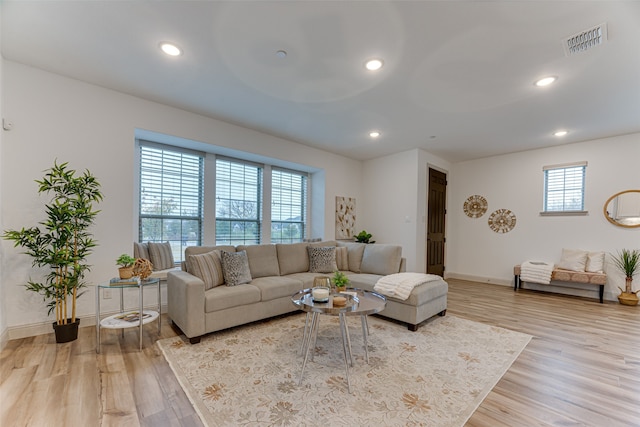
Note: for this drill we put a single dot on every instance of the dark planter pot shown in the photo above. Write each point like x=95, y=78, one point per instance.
x=66, y=333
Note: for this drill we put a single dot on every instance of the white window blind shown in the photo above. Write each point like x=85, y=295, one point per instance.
x=288, y=206
x=171, y=191
x=238, y=202
x=564, y=187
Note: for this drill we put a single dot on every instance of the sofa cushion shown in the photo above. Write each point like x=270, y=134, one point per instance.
x=277, y=287
x=198, y=250
x=141, y=250
x=342, y=258
x=208, y=267
x=263, y=260
x=161, y=255
x=573, y=259
x=292, y=257
x=235, y=268
x=381, y=259
x=322, y=259
x=354, y=253
x=223, y=297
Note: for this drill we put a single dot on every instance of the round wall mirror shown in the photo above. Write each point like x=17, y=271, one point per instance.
x=623, y=209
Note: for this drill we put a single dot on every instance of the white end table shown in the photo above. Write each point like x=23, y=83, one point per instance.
x=124, y=320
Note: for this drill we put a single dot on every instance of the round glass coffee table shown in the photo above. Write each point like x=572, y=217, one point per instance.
x=359, y=303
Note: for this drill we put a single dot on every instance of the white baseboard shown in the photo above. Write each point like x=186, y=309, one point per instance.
x=42, y=328
x=481, y=279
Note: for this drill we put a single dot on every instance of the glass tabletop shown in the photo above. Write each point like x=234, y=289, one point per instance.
x=359, y=302
x=127, y=283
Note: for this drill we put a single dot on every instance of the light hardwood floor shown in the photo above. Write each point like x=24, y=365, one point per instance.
x=582, y=368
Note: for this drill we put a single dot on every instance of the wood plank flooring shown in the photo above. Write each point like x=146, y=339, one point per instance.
x=582, y=368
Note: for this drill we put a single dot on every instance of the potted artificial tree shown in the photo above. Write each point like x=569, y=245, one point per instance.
x=62, y=243
x=628, y=261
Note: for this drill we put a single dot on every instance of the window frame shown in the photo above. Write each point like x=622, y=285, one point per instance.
x=303, y=205
x=576, y=174
x=177, y=245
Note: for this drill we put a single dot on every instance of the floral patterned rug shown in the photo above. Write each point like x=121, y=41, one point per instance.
x=437, y=376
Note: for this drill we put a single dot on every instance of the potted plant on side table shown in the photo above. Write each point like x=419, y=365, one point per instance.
x=364, y=237
x=62, y=243
x=126, y=263
x=628, y=261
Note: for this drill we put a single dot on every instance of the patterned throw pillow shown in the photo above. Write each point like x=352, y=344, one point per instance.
x=208, y=267
x=235, y=268
x=160, y=255
x=322, y=259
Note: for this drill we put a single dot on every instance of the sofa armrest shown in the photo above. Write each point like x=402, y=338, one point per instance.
x=185, y=298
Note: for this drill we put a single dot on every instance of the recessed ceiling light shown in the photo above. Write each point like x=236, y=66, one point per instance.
x=546, y=81
x=560, y=133
x=281, y=54
x=170, y=49
x=374, y=64
x=374, y=134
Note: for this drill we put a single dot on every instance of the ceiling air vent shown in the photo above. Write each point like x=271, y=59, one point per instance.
x=585, y=40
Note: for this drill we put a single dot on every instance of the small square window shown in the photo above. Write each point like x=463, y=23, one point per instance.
x=564, y=188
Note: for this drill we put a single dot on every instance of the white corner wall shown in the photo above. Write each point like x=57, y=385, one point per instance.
x=394, y=205
x=515, y=182
x=91, y=127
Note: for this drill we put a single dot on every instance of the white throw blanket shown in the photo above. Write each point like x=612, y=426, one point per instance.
x=536, y=272
x=400, y=285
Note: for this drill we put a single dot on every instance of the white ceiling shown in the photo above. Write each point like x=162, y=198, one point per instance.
x=457, y=81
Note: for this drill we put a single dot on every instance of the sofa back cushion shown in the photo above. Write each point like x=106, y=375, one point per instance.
x=342, y=258
x=292, y=258
x=207, y=267
x=199, y=250
x=263, y=260
x=354, y=254
x=322, y=259
x=381, y=259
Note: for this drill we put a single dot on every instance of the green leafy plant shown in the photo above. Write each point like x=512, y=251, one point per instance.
x=340, y=280
x=628, y=261
x=364, y=237
x=62, y=242
x=125, y=260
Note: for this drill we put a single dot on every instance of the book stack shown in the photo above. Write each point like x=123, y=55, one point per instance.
x=116, y=281
x=133, y=316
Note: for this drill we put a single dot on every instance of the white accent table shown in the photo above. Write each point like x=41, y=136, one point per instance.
x=123, y=319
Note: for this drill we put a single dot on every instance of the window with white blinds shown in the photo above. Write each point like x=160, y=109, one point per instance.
x=564, y=187
x=238, y=202
x=288, y=206
x=171, y=197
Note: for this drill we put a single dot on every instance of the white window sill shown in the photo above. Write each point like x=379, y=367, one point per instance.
x=564, y=213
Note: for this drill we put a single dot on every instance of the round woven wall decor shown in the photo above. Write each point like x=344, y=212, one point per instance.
x=475, y=206
x=502, y=221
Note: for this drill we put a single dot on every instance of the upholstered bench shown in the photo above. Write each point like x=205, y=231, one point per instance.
x=560, y=275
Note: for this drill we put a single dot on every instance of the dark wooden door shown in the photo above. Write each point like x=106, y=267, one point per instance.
x=436, y=211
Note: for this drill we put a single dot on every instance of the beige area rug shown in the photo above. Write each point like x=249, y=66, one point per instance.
x=437, y=376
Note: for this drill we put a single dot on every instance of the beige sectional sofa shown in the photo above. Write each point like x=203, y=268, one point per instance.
x=277, y=272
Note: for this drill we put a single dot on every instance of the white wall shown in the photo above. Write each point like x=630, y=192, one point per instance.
x=91, y=127
x=394, y=205
x=515, y=182
x=3, y=317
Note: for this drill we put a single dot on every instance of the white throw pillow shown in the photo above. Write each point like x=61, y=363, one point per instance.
x=573, y=259
x=595, y=262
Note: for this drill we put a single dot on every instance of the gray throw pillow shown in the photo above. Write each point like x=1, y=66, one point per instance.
x=207, y=267
x=322, y=259
x=235, y=268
